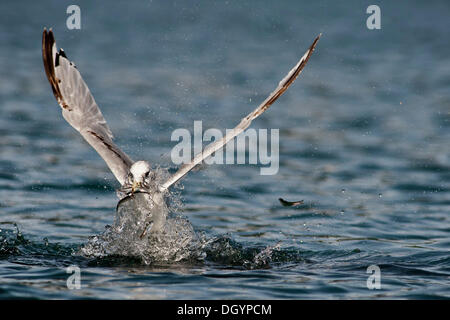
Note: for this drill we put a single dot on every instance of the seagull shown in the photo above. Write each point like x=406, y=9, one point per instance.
x=81, y=111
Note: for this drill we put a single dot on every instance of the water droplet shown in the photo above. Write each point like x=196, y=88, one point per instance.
x=342, y=211
x=380, y=195
x=343, y=190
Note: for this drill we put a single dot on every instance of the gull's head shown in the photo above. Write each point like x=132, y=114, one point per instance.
x=139, y=172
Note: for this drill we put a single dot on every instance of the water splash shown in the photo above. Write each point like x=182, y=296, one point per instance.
x=10, y=240
x=225, y=251
x=146, y=228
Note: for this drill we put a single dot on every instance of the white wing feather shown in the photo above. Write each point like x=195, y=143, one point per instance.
x=79, y=107
x=245, y=122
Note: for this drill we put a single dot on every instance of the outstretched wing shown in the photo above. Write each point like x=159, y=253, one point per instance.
x=245, y=122
x=79, y=107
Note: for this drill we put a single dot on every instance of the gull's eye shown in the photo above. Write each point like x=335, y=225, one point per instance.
x=130, y=176
x=146, y=174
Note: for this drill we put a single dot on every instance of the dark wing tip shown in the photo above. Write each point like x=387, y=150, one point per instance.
x=60, y=53
x=48, y=40
x=303, y=63
x=315, y=41
x=47, y=57
x=286, y=82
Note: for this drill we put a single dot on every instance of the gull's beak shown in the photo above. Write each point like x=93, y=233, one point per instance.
x=135, y=185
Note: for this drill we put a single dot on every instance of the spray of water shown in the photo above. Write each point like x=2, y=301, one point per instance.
x=151, y=228
x=147, y=228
